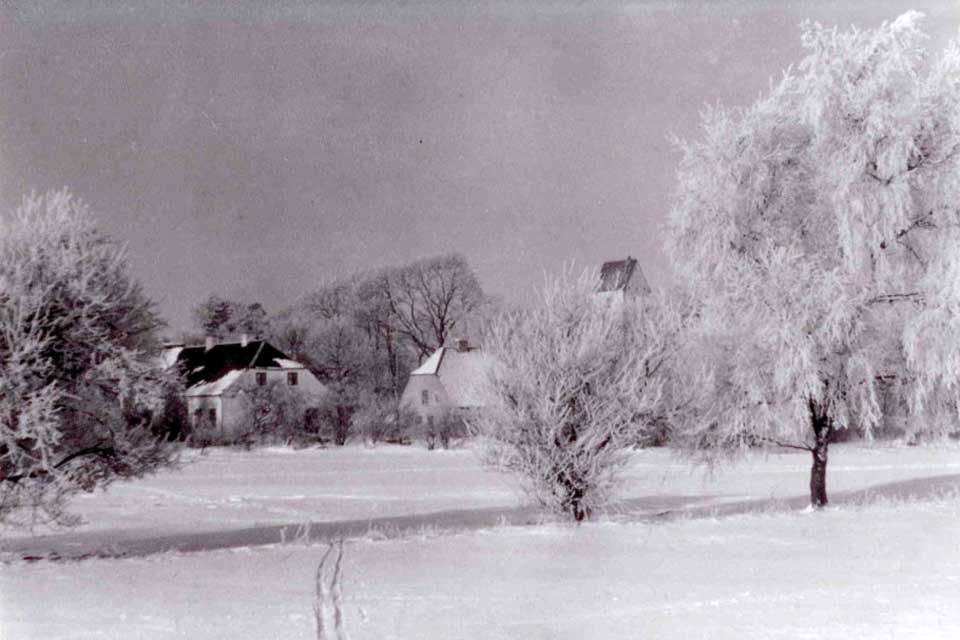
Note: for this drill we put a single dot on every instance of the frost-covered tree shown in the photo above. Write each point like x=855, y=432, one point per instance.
x=379, y=418
x=274, y=411
x=574, y=381
x=819, y=230
x=81, y=396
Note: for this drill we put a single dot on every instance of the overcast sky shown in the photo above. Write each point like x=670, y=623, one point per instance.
x=257, y=152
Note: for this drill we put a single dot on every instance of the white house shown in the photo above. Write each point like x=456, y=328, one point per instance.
x=452, y=378
x=216, y=375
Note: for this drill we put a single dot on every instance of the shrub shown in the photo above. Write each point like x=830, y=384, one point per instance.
x=380, y=419
x=445, y=429
x=577, y=380
x=272, y=413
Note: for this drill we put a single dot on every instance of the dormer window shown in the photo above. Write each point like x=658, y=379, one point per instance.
x=261, y=378
x=292, y=378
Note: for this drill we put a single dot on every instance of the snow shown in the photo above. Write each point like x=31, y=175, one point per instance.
x=283, y=363
x=887, y=570
x=463, y=374
x=430, y=365
x=231, y=488
x=215, y=387
x=169, y=355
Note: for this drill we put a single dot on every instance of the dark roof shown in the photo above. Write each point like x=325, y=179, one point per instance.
x=615, y=275
x=201, y=365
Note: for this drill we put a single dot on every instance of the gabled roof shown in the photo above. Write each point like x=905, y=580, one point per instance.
x=462, y=374
x=216, y=387
x=431, y=365
x=169, y=355
x=200, y=365
x=615, y=275
x=618, y=275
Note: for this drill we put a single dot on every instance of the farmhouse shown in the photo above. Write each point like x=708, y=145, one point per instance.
x=621, y=279
x=216, y=375
x=449, y=380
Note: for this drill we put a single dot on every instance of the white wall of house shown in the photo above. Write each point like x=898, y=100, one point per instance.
x=425, y=396
x=232, y=413
x=228, y=405
x=200, y=407
x=307, y=383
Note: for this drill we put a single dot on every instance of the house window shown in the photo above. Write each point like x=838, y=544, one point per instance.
x=424, y=397
x=197, y=416
x=430, y=421
x=292, y=378
x=261, y=378
x=213, y=415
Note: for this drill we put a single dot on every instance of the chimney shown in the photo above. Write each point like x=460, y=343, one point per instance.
x=244, y=339
x=463, y=345
x=209, y=343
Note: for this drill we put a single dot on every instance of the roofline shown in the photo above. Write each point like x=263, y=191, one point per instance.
x=257, y=354
x=301, y=366
x=443, y=352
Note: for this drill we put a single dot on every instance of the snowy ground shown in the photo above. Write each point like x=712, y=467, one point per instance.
x=860, y=571
x=877, y=571
x=226, y=488
x=229, y=488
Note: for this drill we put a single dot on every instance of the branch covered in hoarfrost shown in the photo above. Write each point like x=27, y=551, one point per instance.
x=577, y=381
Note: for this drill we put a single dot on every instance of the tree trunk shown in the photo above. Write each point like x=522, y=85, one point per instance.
x=818, y=472
x=392, y=363
x=580, y=513
x=818, y=477
x=575, y=492
x=343, y=425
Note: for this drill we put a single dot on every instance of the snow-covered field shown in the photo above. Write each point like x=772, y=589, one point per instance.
x=226, y=488
x=872, y=570
x=880, y=571
x=229, y=488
